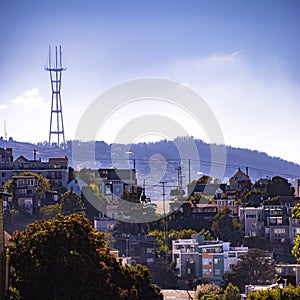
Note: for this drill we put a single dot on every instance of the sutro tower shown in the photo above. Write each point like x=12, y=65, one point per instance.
x=55, y=69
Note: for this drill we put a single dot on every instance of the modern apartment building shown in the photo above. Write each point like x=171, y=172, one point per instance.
x=198, y=260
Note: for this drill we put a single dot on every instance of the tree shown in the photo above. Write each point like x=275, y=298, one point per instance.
x=258, y=242
x=88, y=176
x=131, y=209
x=290, y=292
x=232, y=292
x=207, y=289
x=66, y=258
x=296, y=248
x=71, y=203
x=253, y=198
x=163, y=273
x=227, y=228
x=296, y=211
x=255, y=267
x=279, y=186
x=50, y=211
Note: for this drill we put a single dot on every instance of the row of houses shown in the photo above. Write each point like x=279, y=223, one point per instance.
x=205, y=261
x=197, y=260
x=112, y=182
x=55, y=169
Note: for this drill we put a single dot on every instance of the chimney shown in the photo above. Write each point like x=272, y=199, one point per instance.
x=34, y=155
x=247, y=171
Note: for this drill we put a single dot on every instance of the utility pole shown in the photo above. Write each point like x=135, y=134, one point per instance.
x=165, y=227
x=178, y=176
x=164, y=195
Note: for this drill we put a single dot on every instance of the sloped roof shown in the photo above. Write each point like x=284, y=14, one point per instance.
x=209, y=189
x=22, y=158
x=239, y=173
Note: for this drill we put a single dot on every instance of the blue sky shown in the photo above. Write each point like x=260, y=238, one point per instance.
x=242, y=57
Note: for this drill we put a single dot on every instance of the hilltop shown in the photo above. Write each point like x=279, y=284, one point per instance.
x=260, y=165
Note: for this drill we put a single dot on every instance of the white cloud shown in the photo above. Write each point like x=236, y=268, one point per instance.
x=29, y=97
x=3, y=106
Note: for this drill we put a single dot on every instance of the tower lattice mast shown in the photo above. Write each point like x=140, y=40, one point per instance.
x=55, y=69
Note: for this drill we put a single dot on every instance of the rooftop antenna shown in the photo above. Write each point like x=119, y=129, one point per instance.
x=55, y=68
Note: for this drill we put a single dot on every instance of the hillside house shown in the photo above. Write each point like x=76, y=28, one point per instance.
x=55, y=169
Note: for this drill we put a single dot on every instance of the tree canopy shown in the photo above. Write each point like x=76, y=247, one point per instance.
x=252, y=268
x=66, y=258
x=227, y=228
x=71, y=203
x=296, y=249
x=296, y=211
x=290, y=293
x=279, y=186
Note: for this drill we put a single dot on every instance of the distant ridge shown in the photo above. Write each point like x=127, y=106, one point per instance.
x=260, y=165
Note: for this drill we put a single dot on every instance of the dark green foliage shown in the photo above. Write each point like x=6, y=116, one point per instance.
x=257, y=242
x=71, y=203
x=65, y=258
x=226, y=228
x=163, y=274
x=279, y=186
x=179, y=221
x=253, y=198
x=252, y=268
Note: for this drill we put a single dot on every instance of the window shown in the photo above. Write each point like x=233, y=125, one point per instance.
x=117, y=189
x=279, y=231
x=22, y=192
x=212, y=250
x=207, y=271
x=206, y=261
x=250, y=216
x=217, y=272
x=253, y=225
x=216, y=260
x=108, y=189
x=150, y=251
x=20, y=183
x=150, y=259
